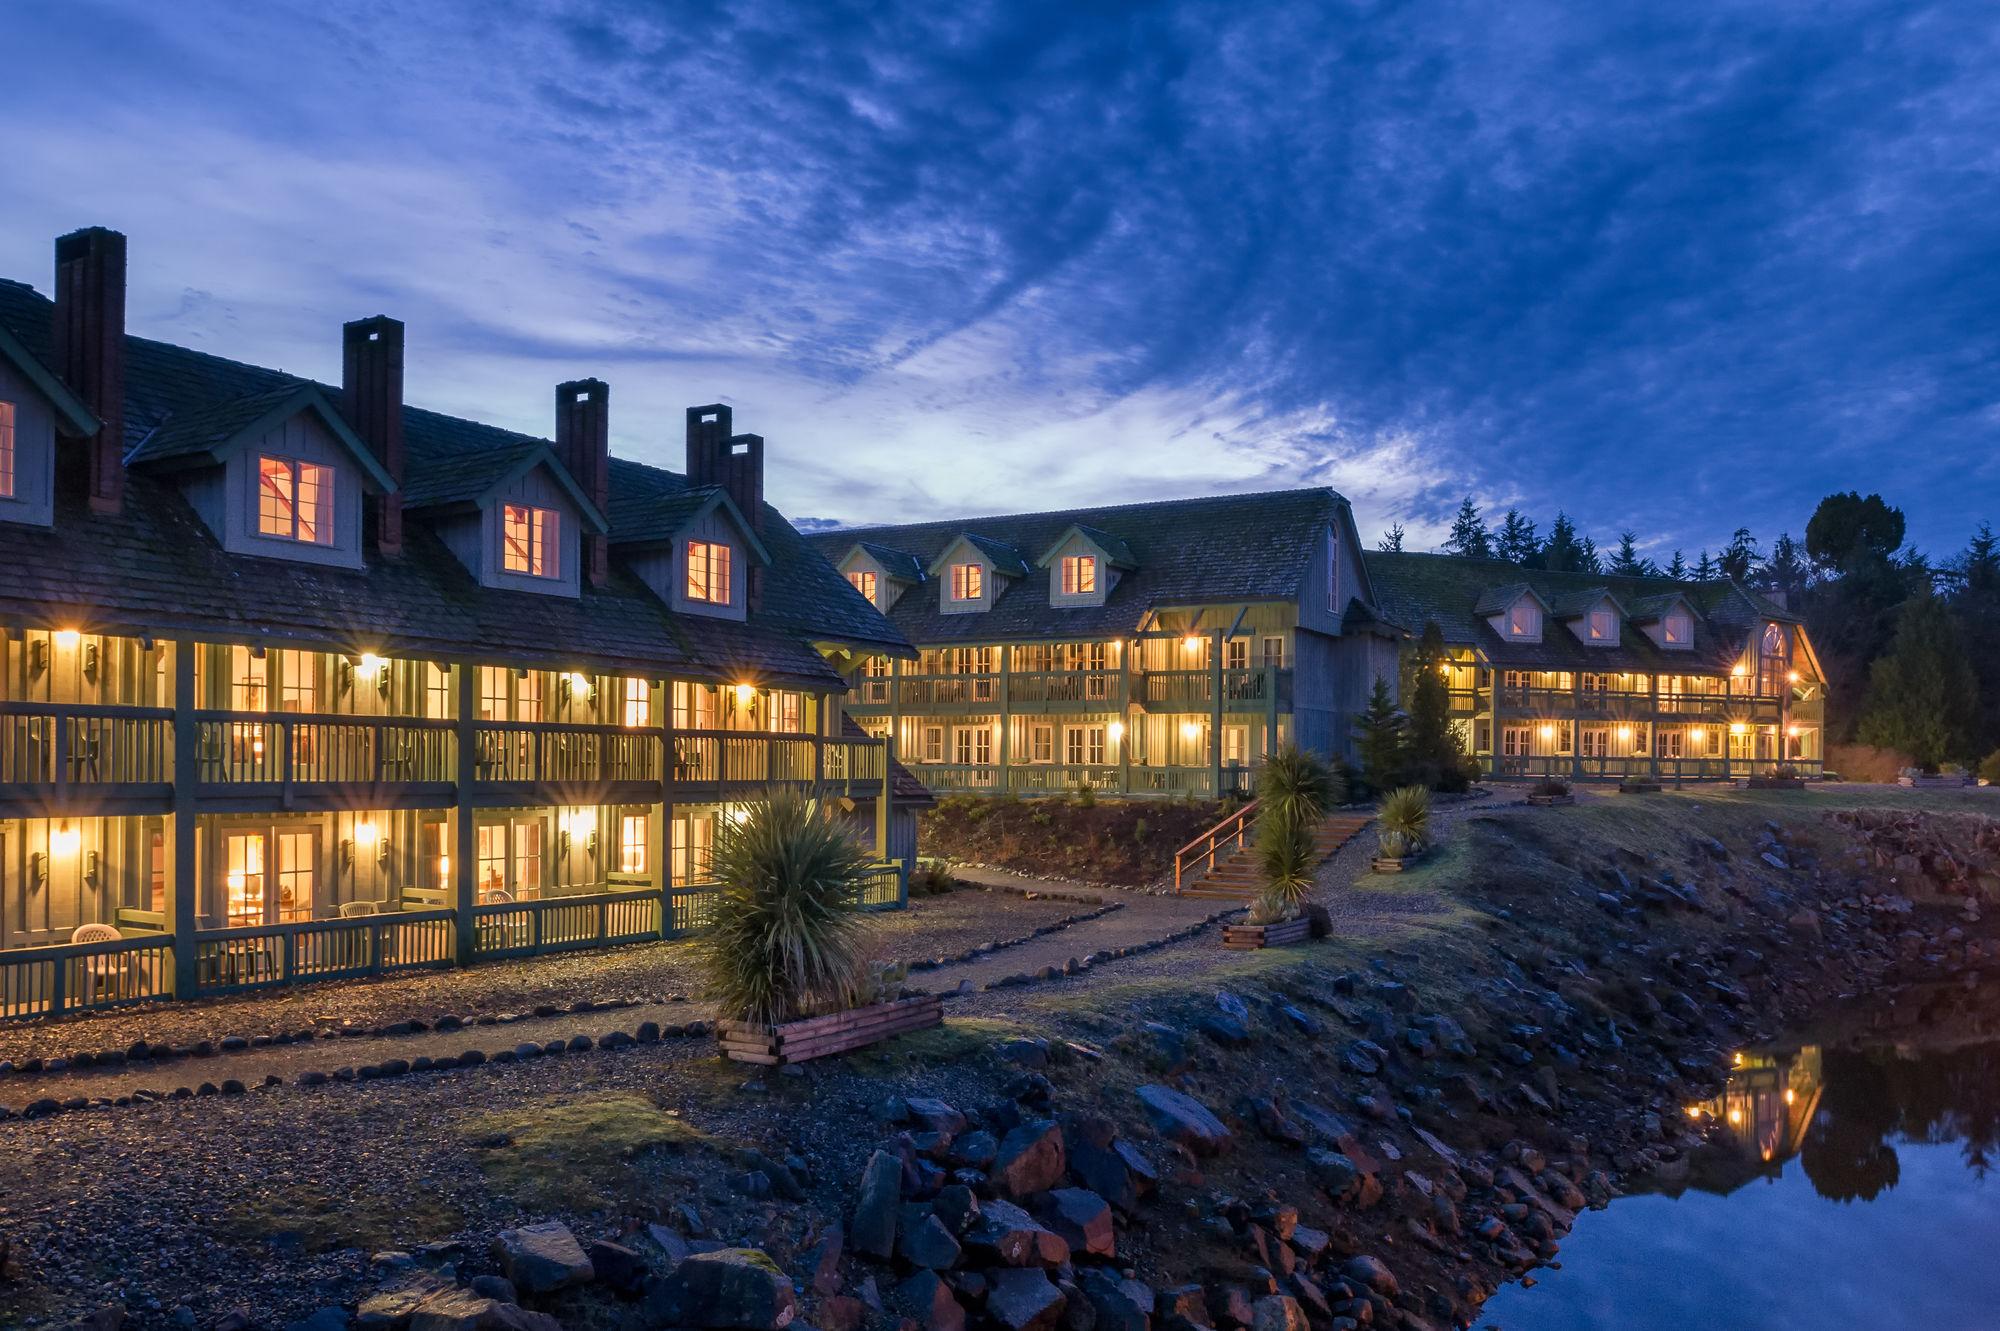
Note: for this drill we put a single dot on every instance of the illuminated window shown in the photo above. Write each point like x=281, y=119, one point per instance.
x=1677, y=629
x=510, y=860
x=6, y=450
x=1603, y=626
x=973, y=745
x=638, y=703
x=694, y=706
x=1524, y=620
x=248, y=676
x=1236, y=654
x=528, y=540
x=1236, y=745
x=297, y=852
x=933, y=746
x=634, y=841
x=528, y=696
x=437, y=691
x=708, y=572
x=243, y=861
x=864, y=582
x=294, y=500
x=298, y=681
x=693, y=845
x=786, y=712
x=968, y=582
x=1041, y=744
x=1079, y=575
x=1083, y=746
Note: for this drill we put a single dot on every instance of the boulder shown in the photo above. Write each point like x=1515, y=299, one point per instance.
x=929, y=1243
x=1372, y=1274
x=1183, y=1120
x=617, y=1267
x=1228, y=1031
x=391, y=1309
x=1024, y=1299
x=462, y=1310
x=541, y=1259
x=730, y=1288
x=1121, y=1305
x=974, y=1150
x=873, y=1231
x=935, y=1115
x=494, y=1287
x=1106, y=1172
x=1031, y=1159
x=928, y=1301
x=1010, y=1236
x=1278, y=1312
x=1083, y=1219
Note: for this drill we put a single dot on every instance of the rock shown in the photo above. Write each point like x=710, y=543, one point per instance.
x=1183, y=1120
x=675, y=1247
x=927, y=1299
x=1083, y=1219
x=935, y=1115
x=1106, y=1171
x=1228, y=1031
x=1011, y=1236
x=109, y=1317
x=617, y=1267
x=494, y=1287
x=1278, y=1312
x=825, y=1260
x=729, y=1288
x=975, y=1150
x=873, y=1231
x=1370, y=1273
x=463, y=1310
x=391, y=1309
x=929, y=1243
x=1030, y=1160
x=840, y=1312
x=1024, y=1299
x=1121, y=1305
x=541, y=1258
x=1231, y=1005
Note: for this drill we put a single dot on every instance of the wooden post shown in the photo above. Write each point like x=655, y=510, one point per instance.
x=896, y=698
x=1215, y=714
x=183, y=891
x=663, y=871
x=1272, y=672
x=1576, y=725
x=883, y=802
x=465, y=840
x=1653, y=727
x=1127, y=649
x=1497, y=740
x=1006, y=780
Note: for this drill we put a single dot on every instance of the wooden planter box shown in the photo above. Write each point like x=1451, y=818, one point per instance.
x=835, y=1033
x=1394, y=866
x=1551, y=801
x=1774, y=783
x=1249, y=937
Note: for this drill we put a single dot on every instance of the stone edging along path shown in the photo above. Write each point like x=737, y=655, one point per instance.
x=140, y=1051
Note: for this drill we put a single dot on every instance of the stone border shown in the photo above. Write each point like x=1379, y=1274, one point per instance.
x=973, y=954
x=1078, y=965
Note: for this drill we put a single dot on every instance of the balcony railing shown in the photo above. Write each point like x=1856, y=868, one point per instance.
x=527, y=753
x=79, y=977
x=238, y=749
x=1640, y=768
x=1054, y=778
x=1195, y=689
x=1064, y=686
x=59, y=746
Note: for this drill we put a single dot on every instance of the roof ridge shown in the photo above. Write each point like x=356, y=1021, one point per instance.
x=1071, y=513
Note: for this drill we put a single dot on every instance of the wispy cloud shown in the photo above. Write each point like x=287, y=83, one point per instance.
x=1672, y=270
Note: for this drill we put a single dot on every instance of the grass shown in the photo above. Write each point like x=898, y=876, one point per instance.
x=319, y=1218
x=578, y=1154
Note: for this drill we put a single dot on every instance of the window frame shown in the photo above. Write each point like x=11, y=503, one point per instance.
x=968, y=582
x=296, y=470
x=1685, y=621
x=637, y=700
x=1601, y=625
x=9, y=458
x=863, y=580
x=710, y=571
x=635, y=858
x=541, y=556
x=1079, y=575
x=1527, y=628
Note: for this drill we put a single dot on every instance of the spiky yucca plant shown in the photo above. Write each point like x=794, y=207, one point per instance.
x=1403, y=821
x=789, y=933
x=1294, y=790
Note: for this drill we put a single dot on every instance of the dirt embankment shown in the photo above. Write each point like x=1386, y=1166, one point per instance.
x=1119, y=843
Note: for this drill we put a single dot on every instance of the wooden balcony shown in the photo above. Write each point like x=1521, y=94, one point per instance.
x=83, y=760
x=1056, y=691
x=1256, y=689
x=250, y=761
x=1063, y=778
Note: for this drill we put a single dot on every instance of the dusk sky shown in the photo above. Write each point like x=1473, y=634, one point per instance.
x=1672, y=267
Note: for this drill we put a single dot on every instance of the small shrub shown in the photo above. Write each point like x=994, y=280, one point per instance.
x=1393, y=845
x=788, y=933
x=1139, y=830
x=1294, y=790
x=1989, y=768
x=1406, y=814
x=931, y=878
x=1551, y=785
x=1086, y=798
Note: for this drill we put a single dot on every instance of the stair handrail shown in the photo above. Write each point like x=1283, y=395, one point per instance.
x=1236, y=825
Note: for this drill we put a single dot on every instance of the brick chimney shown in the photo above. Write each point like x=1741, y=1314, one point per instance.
x=734, y=462
x=371, y=390
x=583, y=442
x=90, y=348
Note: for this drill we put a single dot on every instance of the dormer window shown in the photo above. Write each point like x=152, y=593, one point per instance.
x=864, y=582
x=1677, y=629
x=708, y=572
x=528, y=539
x=1079, y=575
x=6, y=450
x=1603, y=625
x=294, y=500
x=968, y=582
x=1524, y=620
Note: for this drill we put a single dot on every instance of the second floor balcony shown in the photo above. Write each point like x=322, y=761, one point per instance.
x=1249, y=688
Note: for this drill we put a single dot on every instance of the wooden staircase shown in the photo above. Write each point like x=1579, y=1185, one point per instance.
x=1236, y=876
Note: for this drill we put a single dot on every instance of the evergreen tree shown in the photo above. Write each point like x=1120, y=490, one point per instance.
x=1704, y=568
x=1516, y=542
x=1432, y=754
x=1923, y=696
x=1627, y=562
x=1677, y=568
x=1590, y=561
x=1469, y=538
x=1846, y=527
x=1562, y=552
x=1852, y=607
x=1740, y=560
x=1392, y=540
x=1785, y=571
x=1975, y=599
x=1379, y=740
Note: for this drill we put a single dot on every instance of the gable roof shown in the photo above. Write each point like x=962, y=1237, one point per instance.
x=1580, y=601
x=660, y=519
x=1499, y=600
x=214, y=432
x=477, y=476
x=71, y=414
x=1004, y=558
x=1116, y=552
x=155, y=567
x=1650, y=609
x=1215, y=549
x=1455, y=593
x=897, y=564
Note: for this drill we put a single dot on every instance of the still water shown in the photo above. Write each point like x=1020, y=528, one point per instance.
x=1848, y=1188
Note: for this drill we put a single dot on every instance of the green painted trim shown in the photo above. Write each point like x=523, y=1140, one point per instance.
x=82, y=423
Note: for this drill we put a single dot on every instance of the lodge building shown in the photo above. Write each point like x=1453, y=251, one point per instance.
x=300, y=681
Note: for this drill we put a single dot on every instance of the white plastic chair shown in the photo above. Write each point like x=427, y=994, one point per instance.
x=114, y=968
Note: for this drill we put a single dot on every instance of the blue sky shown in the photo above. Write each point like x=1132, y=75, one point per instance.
x=1671, y=267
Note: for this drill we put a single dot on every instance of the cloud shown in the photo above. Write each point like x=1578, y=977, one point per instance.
x=1672, y=270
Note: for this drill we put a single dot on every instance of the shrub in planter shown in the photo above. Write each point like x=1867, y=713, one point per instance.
x=1404, y=821
x=789, y=931
x=1294, y=790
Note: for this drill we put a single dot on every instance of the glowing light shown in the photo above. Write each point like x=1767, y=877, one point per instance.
x=1738, y=728
x=1736, y=1060
x=580, y=824
x=1735, y=1116
x=1793, y=731
x=739, y=814
x=1624, y=733
x=1547, y=732
x=444, y=866
x=1793, y=676
x=1116, y=731
x=1444, y=668
x=745, y=693
x=1739, y=670
x=366, y=834
x=371, y=665
x=1698, y=734
x=1694, y=1111
x=1192, y=642
x=1791, y=1096
x=67, y=639
x=64, y=841
x=1190, y=730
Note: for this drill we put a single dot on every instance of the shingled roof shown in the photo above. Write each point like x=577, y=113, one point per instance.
x=155, y=567
x=1183, y=552
x=1458, y=594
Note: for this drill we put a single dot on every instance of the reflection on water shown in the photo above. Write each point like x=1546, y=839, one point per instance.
x=1869, y=1208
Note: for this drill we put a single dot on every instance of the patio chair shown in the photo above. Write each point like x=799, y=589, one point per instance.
x=350, y=909
x=112, y=969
